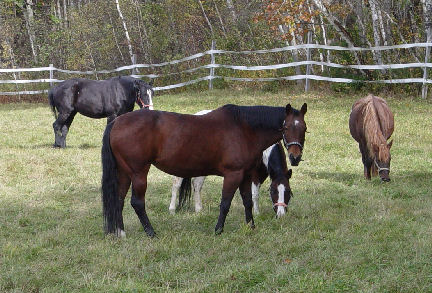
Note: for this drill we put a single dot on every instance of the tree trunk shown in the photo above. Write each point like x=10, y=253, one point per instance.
x=125, y=30
x=339, y=28
x=29, y=19
x=206, y=18
x=283, y=30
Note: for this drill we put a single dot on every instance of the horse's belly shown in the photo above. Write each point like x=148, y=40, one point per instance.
x=185, y=171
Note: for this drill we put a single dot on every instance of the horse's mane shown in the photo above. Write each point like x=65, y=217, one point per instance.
x=375, y=125
x=264, y=117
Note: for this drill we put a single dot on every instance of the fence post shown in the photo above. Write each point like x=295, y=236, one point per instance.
x=425, y=74
x=51, y=74
x=309, y=40
x=212, y=62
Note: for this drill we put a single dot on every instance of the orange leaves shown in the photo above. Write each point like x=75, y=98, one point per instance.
x=295, y=15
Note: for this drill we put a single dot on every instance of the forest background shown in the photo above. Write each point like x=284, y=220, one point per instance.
x=105, y=34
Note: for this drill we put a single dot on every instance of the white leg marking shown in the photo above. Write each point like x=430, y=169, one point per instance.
x=255, y=197
x=149, y=94
x=281, y=199
x=120, y=233
x=197, y=183
x=176, y=186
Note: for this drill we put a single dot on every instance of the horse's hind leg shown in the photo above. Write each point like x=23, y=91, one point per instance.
x=123, y=187
x=230, y=184
x=197, y=183
x=139, y=188
x=246, y=194
x=174, y=191
x=66, y=127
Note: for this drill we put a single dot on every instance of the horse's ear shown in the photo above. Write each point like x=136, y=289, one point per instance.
x=288, y=109
x=389, y=145
x=136, y=84
x=304, y=108
x=289, y=173
x=151, y=82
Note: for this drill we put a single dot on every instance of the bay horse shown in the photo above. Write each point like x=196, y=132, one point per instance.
x=272, y=163
x=95, y=99
x=227, y=142
x=371, y=124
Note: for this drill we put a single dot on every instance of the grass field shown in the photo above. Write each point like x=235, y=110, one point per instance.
x=341, y=233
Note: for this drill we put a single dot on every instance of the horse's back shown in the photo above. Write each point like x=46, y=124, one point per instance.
x=179, y=144
x=386, y=117
x=383, y=113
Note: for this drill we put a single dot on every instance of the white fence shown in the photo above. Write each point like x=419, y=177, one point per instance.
x=212, y=66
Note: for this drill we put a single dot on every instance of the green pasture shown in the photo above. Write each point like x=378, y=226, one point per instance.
x=341, y=233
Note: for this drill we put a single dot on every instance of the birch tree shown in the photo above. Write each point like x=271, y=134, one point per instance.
x=125, y=30
x=29, y=20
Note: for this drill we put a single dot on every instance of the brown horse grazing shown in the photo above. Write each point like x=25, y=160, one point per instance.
x=371, y=125
x=227, y=142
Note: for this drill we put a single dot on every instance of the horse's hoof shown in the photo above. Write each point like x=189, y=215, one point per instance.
x=172, y=212
x=218, y=231
x=151, y=233
x=252, y=226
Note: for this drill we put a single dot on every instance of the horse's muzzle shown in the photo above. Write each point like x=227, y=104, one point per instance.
x=294, y=160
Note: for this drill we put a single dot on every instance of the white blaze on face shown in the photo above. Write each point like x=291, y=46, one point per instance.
x=281, y=199
x=149, y=94
x=296, y=122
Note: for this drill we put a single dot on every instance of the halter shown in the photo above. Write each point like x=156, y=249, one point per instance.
x=288, y=144
x=138, y=98
x=380, y=168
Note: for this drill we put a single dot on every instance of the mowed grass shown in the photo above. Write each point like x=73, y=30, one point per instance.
x=341, y=234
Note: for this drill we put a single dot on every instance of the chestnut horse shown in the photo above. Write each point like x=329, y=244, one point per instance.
x=272, y=163
x=227, y=142
x=371, y=124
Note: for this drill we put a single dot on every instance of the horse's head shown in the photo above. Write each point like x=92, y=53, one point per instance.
x=144, y=94
x=280, y=193
x=382, y=160
x=293, y=133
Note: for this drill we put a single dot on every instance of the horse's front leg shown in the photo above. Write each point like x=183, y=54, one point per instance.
x=174, y=191
x=367, y=163
x=197, y=183
x=139, y=187
x=231, y=182
x=246, y=194
x=60, y=141
x=111, y=118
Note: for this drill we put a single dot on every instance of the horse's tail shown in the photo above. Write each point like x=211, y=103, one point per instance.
x=51, y=102
x=185, y=192
x=110, y=200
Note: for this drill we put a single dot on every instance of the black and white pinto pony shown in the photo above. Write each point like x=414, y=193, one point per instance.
x=272, y=163
x=95, y=99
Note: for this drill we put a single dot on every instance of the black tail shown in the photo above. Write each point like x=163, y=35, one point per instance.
x=185, y=192
x=51, y=102
x=110, y=200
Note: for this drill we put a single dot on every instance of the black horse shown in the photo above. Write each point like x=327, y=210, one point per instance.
x=95, y=99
